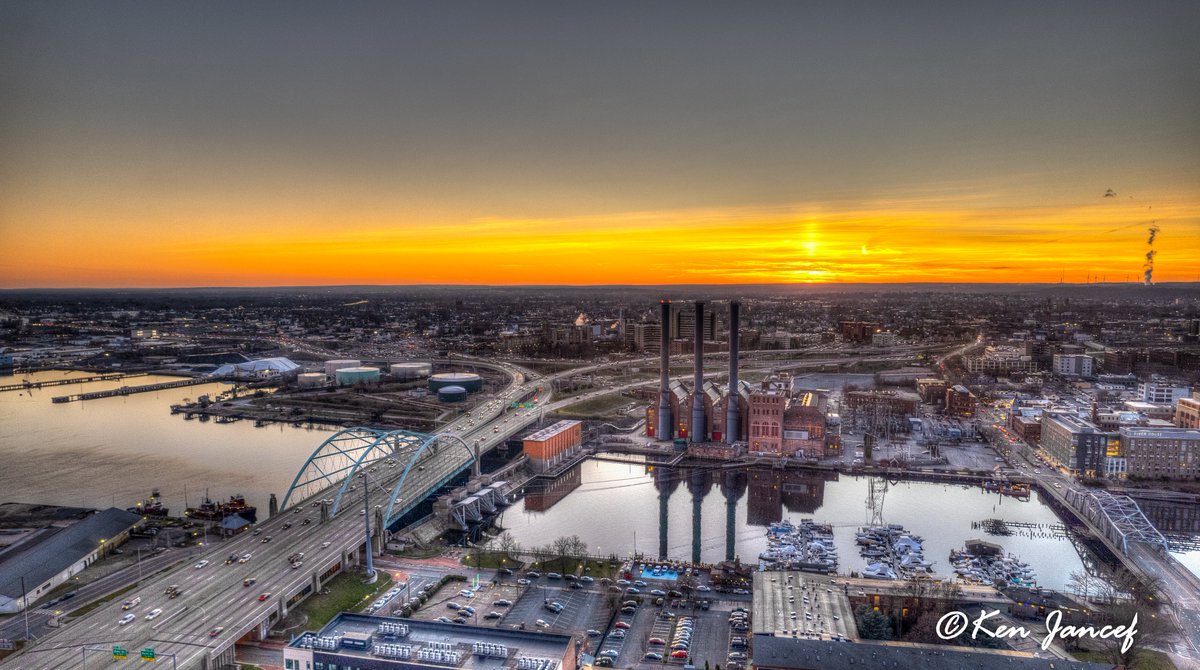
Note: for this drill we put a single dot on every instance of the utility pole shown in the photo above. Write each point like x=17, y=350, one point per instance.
x=25, y=602
x=367, y=528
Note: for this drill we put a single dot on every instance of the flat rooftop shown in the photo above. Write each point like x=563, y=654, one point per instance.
x=777, y=595
x=1163, y=433
x=364, y=630
x=551, y=431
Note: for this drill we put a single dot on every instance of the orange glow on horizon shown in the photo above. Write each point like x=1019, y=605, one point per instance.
x=881, y=242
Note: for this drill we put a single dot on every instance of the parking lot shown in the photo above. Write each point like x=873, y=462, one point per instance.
x=582, y=610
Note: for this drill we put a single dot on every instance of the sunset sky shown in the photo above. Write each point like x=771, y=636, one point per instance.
x=280, y=143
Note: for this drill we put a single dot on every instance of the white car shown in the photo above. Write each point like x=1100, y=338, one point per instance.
x=325, y=545
x=245, y=557
x=201, y=564
x=126, y=619
x=153, y=614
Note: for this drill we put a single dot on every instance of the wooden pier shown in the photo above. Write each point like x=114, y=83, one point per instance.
x=75, y=380
x=130, y=390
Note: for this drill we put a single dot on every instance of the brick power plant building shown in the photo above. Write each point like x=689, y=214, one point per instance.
x=770, y=418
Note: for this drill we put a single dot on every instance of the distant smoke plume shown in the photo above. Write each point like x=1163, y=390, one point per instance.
x=1150, y=254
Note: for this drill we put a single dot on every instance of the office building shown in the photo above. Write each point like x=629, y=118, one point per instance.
x=1161, y=453
x=1075, y=443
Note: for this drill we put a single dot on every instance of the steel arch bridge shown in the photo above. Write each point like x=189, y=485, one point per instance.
x=351, y=451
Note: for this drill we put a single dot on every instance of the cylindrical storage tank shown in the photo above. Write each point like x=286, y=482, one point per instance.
x=310, y=380
x=342, y=363
x=351, y=376
x=470, y=381
x=452, y=394
x=410, y=371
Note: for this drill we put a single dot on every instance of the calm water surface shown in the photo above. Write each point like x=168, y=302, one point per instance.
x=113, y=451
x=615, y=507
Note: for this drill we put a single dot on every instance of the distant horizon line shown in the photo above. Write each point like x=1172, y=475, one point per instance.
x=581, y=286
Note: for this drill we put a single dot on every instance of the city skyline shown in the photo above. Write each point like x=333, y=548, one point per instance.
x=170, y=145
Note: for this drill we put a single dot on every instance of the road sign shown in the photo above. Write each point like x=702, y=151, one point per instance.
x=148, y=654
x=120, y=653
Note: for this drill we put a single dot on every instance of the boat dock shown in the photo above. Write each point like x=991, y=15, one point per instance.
x=74, y=380
x=130, y=390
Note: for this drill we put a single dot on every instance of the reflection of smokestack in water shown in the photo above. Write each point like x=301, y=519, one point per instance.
x=732, y=430
x=664, y=399
x=1148, y=275
x=697, y=434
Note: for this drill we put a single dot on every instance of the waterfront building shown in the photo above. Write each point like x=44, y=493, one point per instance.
x=1161, y=453
x=553, y=445
x=50, y=555
x=1075, y=443
x=367, y=642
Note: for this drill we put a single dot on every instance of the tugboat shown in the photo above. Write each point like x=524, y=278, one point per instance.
x=151, y=506
x=212, y=511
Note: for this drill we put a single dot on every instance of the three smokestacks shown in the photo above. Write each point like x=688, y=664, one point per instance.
x=665, y=428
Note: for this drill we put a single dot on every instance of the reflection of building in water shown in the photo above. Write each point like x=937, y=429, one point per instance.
x=666, y=481
x=541, y=494
x=772, y=489
x=733, y=487
x=1171, y=517
x=699, y=484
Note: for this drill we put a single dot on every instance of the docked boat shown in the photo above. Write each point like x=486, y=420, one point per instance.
x=152, y=506
x=213, y=511
x=806, y=546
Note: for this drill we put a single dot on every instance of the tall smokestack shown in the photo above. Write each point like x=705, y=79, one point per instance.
x=697, y=434
x=732, y=413
x=664, y=431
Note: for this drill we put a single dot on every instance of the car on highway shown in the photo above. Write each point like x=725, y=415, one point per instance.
x=131, y=603
x=153, y=614
x=216, y=631
x=264, y=596
x=232, y=557
x=201, y=564
x=306, y=522
x=245, y=557
x=126, y=619
x=287, y=525
x=325, y=545
x=249, y=581
x=266, y=539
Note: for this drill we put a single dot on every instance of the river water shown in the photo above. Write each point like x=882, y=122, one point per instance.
x=113, y=451
x=619, y=508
